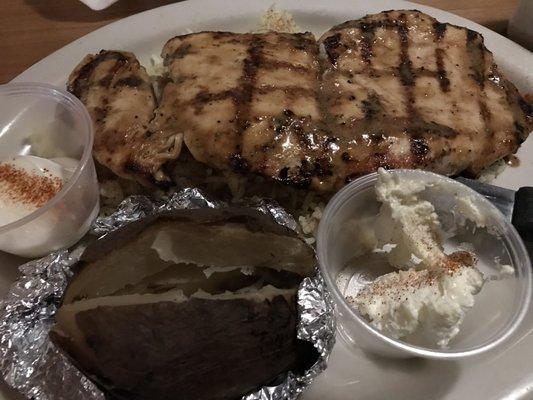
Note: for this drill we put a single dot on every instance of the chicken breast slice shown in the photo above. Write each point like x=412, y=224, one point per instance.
x=119, y=96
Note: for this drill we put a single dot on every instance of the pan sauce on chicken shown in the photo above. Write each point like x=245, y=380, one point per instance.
x=396, y=89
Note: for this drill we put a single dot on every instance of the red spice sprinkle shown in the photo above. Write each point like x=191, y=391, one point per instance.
x=411, y=280
x=24, y=187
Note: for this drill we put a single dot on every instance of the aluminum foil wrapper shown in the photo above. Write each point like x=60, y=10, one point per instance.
x=31, y=364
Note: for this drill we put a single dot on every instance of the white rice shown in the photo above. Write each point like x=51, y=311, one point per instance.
x=156, y=67
x=278, y=21
x=309, y=222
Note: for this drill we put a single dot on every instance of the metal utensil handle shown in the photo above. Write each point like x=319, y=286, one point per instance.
x=523, y=213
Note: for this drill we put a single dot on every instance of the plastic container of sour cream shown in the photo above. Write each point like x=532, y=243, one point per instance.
x=46, y=138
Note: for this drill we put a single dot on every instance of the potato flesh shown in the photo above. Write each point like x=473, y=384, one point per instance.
x=165, y=244
x=190, y=279
x=124, y=266
x=230, y=245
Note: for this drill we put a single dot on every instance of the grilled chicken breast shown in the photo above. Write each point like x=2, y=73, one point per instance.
x=118, y=93
x=248, y=102
x=396, y=89
x=406, y=91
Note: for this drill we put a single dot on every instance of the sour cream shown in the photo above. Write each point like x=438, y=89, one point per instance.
x=27, y=183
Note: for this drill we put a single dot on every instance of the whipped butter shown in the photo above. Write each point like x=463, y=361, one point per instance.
x=426, y=293
x=418, y=301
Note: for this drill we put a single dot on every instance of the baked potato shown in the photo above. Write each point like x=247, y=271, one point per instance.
x=191, y=304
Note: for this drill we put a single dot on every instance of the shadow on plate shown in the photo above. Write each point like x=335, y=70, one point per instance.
x=355, y=373
x=430, y=378
x=8, y=272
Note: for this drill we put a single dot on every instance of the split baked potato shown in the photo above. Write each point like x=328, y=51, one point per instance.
x=191, y=304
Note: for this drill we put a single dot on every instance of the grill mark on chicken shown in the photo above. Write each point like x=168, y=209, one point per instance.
x=485, y=115
x=238, y=96
x=277, y=64
x=444, y=82
x=519, y=106
x=249, y=74
x=526, y=105
x=439, y=31
x=331, y=45
x=250, y=67
x=368, y=31
x=371, y=106
x=418, y=145
x=404, y=69
x=474, y=48
x=406, y=74
x=79, y=85
x=204, y=97
x=105, y=81
x=181, y=51
x=131, y=81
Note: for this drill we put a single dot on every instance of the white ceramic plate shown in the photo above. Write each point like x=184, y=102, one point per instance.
x=351, y=374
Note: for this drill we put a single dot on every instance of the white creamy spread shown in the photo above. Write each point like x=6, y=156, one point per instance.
x=415, y=227
x=404, y=302
x=29, y=182
x=467, y=207
x=429, y=293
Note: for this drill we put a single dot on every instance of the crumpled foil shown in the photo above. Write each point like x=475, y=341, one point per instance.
x=31, y=364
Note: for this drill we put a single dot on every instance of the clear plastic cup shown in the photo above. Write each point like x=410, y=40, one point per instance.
x=41, y=120
x=499, y=307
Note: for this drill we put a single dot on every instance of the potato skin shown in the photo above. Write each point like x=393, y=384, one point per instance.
x=195, y=350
